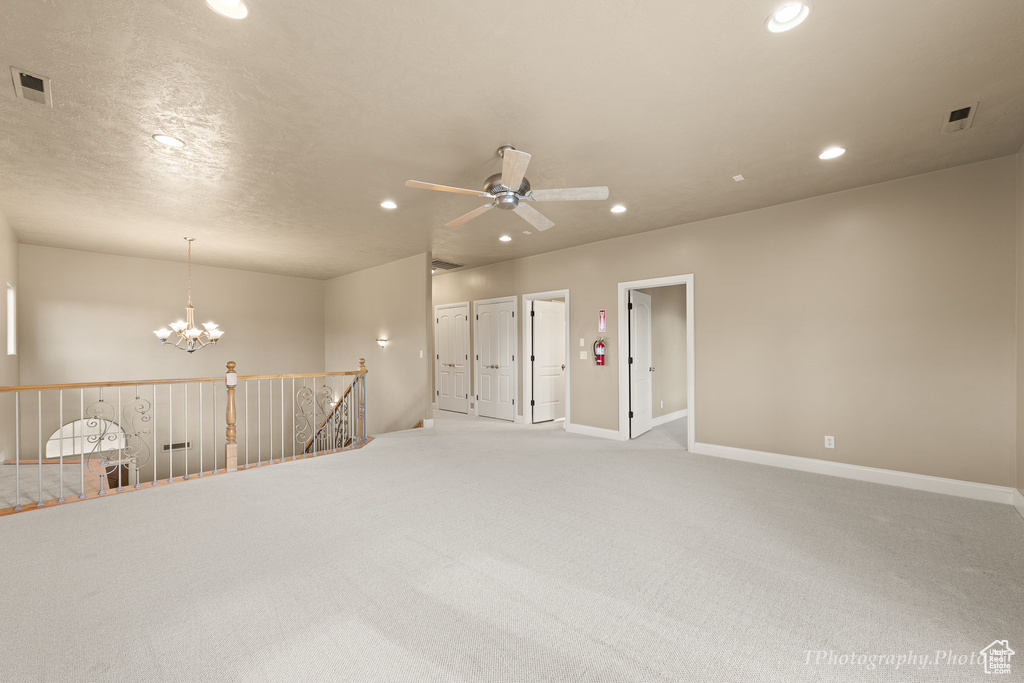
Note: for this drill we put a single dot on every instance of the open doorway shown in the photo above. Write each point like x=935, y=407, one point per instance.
x=656, y=355
x=545, y=354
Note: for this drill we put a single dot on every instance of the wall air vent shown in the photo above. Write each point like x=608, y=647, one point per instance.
x=444, y=265
x=959, y=119
x=31, y=87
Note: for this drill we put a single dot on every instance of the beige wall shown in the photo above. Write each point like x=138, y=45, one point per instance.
x=9, y=374
x=668, y=348
x=884, y=316
x=89, y=317
x=391, y=301
x=1020, y=321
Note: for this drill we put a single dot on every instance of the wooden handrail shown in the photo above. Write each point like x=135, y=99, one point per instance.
x=93, y=385
x=306, y=375
x=334, y=409
x=190, y=380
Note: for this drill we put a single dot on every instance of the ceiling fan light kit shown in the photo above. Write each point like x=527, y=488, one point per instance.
x=509, y=190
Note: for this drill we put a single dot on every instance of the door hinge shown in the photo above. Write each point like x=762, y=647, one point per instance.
x=438, y=320
x=467, y=356
x=478, y=397
x=478, y=317
x=532, y=402
x=478, y=356
x=438, y=392
x=467, y=395
x=513, y=359
x=533, y=358
x=631, y=415
x=631, y=360
x=631, y=305
x=439, y=356
x=513, y=401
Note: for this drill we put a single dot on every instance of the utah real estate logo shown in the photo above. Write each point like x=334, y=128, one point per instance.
x=996, y=657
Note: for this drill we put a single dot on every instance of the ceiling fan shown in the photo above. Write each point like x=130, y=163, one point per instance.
x=510, y=190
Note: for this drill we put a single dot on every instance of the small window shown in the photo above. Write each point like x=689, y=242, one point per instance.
x=12, y=322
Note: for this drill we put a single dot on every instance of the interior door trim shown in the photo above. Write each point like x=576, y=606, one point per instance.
x=623, y=353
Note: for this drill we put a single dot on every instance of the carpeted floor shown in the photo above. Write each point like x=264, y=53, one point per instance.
x=482, y=551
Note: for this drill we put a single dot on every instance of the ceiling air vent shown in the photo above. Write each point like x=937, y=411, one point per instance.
x=444, y=265
x=32, y=87
x=959, y=119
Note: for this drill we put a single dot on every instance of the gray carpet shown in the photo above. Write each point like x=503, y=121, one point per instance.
x=481, y=551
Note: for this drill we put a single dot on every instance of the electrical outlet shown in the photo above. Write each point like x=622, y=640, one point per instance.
x=421, y=353
x=830, y=442
x=583, y=342
x=583, y=355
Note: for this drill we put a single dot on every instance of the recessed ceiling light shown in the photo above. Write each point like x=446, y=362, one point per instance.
x=168, y=140
x=505, y=238
x=788, y=16
x=233, y=9
x=618, y=208
x=832, y=153
x=738, y=178
x=388, y=204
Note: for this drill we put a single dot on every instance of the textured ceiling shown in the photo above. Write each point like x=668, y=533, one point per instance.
x=302, y=118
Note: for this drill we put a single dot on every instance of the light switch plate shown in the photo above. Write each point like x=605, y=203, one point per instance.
x=583, y=355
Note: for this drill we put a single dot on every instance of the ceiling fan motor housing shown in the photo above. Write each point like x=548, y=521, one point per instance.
x=504, y=198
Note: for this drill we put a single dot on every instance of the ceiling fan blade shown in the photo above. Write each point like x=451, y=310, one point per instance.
x=469, y=216
x=444, y=188
x=569, y=194
x=534, y=217
x=513, y=168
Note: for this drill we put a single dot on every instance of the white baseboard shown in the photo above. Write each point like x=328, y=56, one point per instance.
x=427, y=424
x=519, y=420
x=908, y=480
x=670, y=417
x=1018, y=501
x=587, y=430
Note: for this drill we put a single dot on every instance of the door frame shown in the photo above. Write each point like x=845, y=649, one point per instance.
x=527, y=415
x=437, y=361
x=623, y=356
x=514, y=300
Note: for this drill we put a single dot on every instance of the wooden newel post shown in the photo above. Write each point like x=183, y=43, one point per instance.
x=362, y=365
x=231, y=448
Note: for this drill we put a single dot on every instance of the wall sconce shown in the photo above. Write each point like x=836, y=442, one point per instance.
x=382, y=342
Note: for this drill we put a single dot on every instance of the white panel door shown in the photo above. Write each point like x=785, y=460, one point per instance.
x=451, y=344
x=496, y=343
x=548, y=362
x=641, y=396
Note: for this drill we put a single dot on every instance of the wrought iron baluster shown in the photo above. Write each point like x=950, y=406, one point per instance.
x=60, y=435
x=170, y=432
x=17, y=451
x=39, y=421
x=184, y=404
x=81, y=437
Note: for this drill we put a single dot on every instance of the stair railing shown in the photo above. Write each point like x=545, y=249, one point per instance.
x=61, y=443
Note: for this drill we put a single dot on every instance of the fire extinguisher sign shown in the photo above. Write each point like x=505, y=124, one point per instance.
x=600, y=321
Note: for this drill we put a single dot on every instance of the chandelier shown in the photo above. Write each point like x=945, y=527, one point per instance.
x=190, y=338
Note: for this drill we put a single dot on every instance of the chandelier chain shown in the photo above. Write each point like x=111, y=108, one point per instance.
x=190, y=240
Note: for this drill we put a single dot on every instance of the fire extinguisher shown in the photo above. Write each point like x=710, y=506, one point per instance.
x=599, y=352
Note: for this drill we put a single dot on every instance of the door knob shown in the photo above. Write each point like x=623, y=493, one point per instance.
x=563, y=366
x=652, y=368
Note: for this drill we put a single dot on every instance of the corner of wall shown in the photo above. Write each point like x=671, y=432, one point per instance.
x=1020, y=322
x=10, y=371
